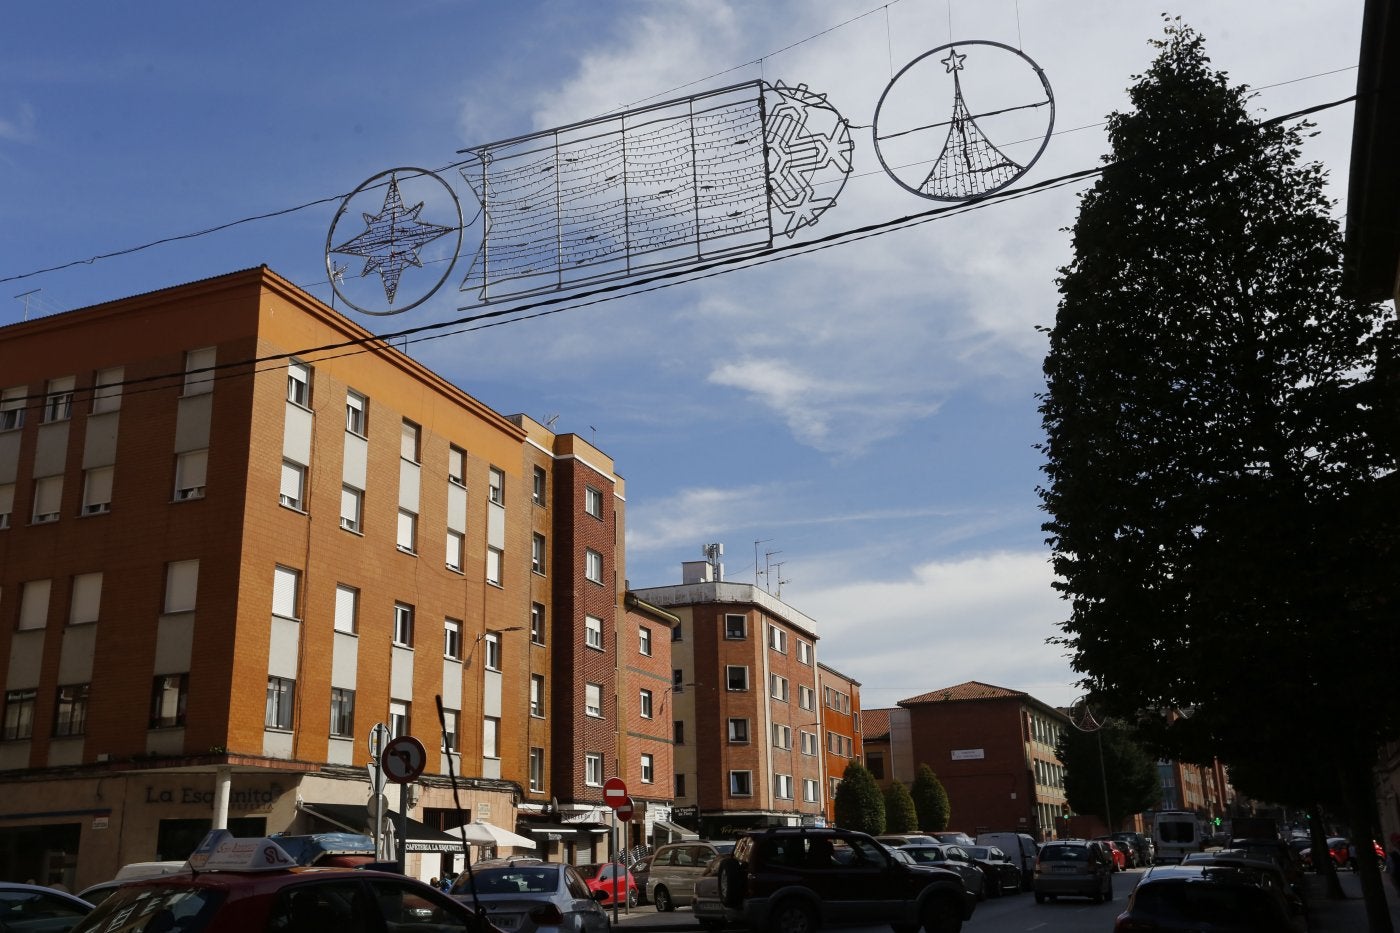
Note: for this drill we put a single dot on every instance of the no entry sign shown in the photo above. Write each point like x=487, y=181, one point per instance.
x=624, y=810
x=615, y=792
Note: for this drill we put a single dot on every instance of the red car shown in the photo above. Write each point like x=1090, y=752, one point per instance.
x=1120, y=857
x=612, y=880
x=1340, y=848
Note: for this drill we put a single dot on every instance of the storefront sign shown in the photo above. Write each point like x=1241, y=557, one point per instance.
x=968, y=754
x=248, y=799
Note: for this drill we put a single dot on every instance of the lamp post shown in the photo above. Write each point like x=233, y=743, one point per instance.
x=1086, y=722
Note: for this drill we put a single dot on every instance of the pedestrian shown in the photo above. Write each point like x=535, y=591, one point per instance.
x=447, y=880
x=435, y=882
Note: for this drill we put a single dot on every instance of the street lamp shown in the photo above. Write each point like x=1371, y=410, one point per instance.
x=1086, y=722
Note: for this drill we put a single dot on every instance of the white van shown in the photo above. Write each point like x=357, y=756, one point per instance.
x=1019, y=847
x=1177, y=834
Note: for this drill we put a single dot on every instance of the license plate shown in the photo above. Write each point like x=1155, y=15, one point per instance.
x=506, y=921
x=1065, y=869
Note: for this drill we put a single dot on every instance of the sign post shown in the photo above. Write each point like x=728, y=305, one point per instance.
x=378, y=736
x=403, y=760
x=615, y=797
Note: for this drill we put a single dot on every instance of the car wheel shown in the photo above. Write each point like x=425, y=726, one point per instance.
x=632, y=898
x=942, y=915
x=792, y=917
x=664, y=904
x=731, y=883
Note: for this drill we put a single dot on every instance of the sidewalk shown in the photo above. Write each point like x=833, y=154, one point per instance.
x=646, y=919
x=1346, y=916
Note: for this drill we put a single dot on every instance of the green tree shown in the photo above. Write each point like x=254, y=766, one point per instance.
x=1216, y=458
x=900, y=814
x=930, y=800
x=1124, y=780
x=859, y=803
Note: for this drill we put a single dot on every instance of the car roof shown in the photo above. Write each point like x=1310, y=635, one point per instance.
x=18, y=887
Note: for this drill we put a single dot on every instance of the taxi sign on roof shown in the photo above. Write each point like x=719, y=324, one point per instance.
x=222, y=851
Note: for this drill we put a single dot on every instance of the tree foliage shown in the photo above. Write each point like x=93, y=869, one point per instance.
x=1218, y=454
x=900, y=814
x=859, y=803
x=1126, y=770
x=930, y=800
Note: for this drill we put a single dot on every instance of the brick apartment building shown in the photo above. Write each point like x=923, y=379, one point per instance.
x=225, y=556
x=992, y=748
x=761, y=728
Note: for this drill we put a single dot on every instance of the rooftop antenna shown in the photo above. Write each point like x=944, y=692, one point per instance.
x=781, y=579
x=756, y=572
x=25, y=296
x=550, y=422
x=768, y=566
x=713, y=552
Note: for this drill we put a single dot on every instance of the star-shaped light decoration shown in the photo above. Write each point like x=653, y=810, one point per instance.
x=392, y=239
x=954, y=61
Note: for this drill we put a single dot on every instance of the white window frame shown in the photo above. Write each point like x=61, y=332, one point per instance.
x=491, y=651
x=411, y=442
x=778, y=687
x=491, y=737
x=400, y=718
x=741, y=783
x=644, y=641
x=456, y=465
x=352, y=508
x=286, y=592
x=736, y=626
x=737, y=730
x=536, y=769
x=403, y=625
x=782, y=736
x=537, y=696
x=648, y=767
x=729, y=677
x=452, y=639
x=809, y=790
x=496, y=486
x=299, y=384
x=538, y=552
x=777, y=639
x=455, y=550
x=356, y=407
x=593, y=700
x=291, y=493
x=782, y=786
x=12, y=407
x=347, y=609
x=593, y=566
x=406, y=532
x=593, y=769
x=495, y=558
x=450, y=740
x=593, y=501
x=191, y=474
x=538, y=635
x=807, y=742
x=644, y=703
x=806, y=697
x=539, y=485
x=593, y=632
x=58, y=399
x=804, y=652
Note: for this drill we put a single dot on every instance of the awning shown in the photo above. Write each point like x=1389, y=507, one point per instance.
x=548, y=831
x=355, y=818
x=675, y=830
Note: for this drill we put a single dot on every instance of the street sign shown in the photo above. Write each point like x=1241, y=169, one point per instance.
x=624, y=809
x=378, y=736
x=614, y=792
x=403, y=759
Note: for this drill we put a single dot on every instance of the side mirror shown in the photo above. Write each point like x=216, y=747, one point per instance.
x=601, y=894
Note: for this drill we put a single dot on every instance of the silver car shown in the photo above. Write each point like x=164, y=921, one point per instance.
x=676, y=866
x=527, y=896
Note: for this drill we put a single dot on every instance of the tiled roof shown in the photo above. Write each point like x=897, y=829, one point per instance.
x=972, y=690
x=874, y=724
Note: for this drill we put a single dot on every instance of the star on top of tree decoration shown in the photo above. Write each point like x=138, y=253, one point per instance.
x=954, y=61
x=392, y=239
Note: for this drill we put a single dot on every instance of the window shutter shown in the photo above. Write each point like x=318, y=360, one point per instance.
x=284, y=593
x=87, y=597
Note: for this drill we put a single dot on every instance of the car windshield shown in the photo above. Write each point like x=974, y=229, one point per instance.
x=590, y=871
x=979, y=852
x=532, y=879
x=158, y=907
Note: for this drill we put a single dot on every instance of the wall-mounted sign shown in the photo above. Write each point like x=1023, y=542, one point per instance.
x=968, y=754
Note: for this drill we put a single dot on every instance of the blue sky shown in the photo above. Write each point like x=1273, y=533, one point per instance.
x=867, y=412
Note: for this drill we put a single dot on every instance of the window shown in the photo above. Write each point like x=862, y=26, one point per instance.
x=496, y=487
x=70, y=710
x=299, y=383
x=676, y=634
x=403, y=625
x=537, y=553
x=399, y=718
x=876, y=764
x=352, y=508
x=48, y=499
x=293, y=485
x=678, y=732
x=168, y=695
x=777, y=639
x=648, y=768
x=536, y=769
x=804, y=652
x=7, y=503
x=492, y=644
x=833, y=784
x=181, y=582
x=278, y=713
x=593, y=632
x=58, y=399
x=410, y=440
x=677, y=680
x=778, y=687
x=736, y=626
x=191, y=468
x=107, y=389
x=838, y=744
x=809, y=790
x=538, y=484
x=12, y=408
x=741, y=783
x=593, y=699
x=537, y=695
x=87, y=597
x=809, y=742
x=593, y=565
x=644, y=641
x=34, y=605
x=347, y=609
x=736, y=677
x=537, y=623
x=593, y=501
x=286, y=589
x=644, y=704
x=199, y=372
x=490, y=737
x=19, y=714
x=739, y=731
x=408, y=532
x=342, y=712
x=355, y=413
x=782, y=786
x=680, y=785
x=452, y=639
x=806, y=697
x=456, y=465
x=456, y=546
x=593, y=769
x=494, y=559
x=782, y=736
x=449, y=742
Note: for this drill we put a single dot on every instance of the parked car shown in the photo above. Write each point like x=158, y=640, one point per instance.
x=954, y=858
x=95, y=894
x=244, y=885
x=676, y=866
x=1001, y=874
x=905, y=839
x=1073, y=867
x=1141, y=843
x=796, y=879
x=1115, y=854
x=1021, y=848
x=39, y=908
x=531, y=896
x=612, y=881
x=1271, y=875
x=641, y=873
x=1194, y=897
x=955, y=838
